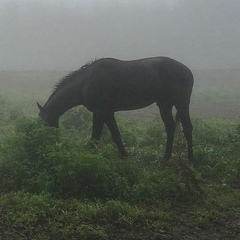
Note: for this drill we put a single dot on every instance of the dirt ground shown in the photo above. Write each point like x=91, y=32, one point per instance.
x=197, y=109
x=215, y=110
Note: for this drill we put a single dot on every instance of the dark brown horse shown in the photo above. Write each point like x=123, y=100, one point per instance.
x=108, y=85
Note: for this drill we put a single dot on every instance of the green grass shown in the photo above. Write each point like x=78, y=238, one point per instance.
x=56, y=184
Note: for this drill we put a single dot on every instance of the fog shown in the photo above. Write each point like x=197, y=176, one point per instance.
x=63, y=35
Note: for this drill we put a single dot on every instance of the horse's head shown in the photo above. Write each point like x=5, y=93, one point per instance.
x=47, y=116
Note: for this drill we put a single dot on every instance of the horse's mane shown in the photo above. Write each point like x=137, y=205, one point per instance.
x=70, y=77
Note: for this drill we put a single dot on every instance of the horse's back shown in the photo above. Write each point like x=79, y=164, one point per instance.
x=126, y=85
x=160, y=67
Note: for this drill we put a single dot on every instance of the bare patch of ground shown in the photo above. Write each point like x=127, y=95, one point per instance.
x=215, y=110
x=224, y=110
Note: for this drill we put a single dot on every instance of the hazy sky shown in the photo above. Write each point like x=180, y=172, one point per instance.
x=65, y=34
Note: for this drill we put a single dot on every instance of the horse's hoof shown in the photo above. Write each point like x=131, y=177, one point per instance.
x=164, y=162
x=124, y=155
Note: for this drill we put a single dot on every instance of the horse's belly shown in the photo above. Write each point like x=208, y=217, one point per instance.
x=133, y=106
x=130, y=101
x=121, y=98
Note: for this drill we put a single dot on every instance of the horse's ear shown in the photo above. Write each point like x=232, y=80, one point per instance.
x=39, y=106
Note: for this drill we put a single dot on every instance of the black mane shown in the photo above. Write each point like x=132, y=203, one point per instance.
x=63, y=81
x=71, y=76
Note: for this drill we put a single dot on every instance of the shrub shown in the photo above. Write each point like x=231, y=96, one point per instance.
x=78, y=117
x=43, y=161
x=167, y=186
x=88, y=232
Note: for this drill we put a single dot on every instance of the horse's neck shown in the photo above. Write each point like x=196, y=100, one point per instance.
x=63, y=100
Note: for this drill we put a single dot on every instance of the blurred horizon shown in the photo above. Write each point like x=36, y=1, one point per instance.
x=62, y=35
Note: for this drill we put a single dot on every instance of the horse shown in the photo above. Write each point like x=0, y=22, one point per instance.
x=108, y=85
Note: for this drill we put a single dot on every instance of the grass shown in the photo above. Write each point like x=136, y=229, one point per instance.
x=56, y=184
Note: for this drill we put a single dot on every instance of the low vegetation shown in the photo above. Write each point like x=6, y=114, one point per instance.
x=56, y=184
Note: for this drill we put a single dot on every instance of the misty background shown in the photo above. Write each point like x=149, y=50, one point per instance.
x=64, y=35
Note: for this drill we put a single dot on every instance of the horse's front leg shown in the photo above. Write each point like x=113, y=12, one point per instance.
x=110, y=121
x=97, y=126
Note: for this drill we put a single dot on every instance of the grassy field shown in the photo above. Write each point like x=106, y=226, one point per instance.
x=56, y=184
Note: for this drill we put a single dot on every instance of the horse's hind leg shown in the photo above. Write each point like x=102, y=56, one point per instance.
x=97, y=126
x=110, y=121
x=167, y=117
x=183, y=111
